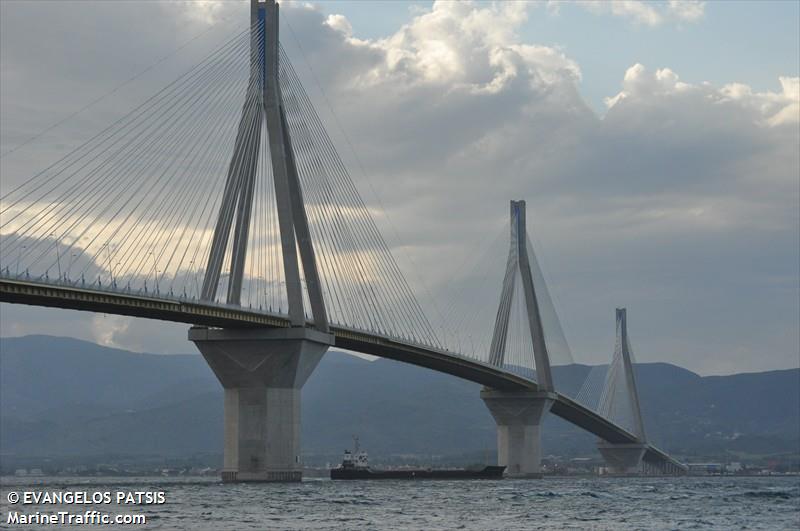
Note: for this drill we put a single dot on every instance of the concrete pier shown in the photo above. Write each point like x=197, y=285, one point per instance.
x=519, y=440
x=622, y=459
x=262, y=372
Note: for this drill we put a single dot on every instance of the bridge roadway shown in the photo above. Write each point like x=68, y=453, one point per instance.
x=225, y=316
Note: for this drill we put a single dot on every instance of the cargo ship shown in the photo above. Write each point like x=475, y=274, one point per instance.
x=355, y=465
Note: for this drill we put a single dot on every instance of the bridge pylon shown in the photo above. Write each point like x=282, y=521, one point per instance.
x=620, y=402
x=519, y=414
x=264, y=106
x=263, y=371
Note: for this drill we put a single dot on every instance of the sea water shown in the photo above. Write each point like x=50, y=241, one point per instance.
x=552, y=503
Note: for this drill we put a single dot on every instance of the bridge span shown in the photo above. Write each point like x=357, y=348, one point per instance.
x=197, y=313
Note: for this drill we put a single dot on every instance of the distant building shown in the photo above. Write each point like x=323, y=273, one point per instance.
x=733, y=468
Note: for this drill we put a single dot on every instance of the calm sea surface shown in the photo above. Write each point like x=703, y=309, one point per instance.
x=569, y=503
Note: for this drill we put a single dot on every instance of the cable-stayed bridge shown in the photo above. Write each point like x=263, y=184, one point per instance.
x=222, y=202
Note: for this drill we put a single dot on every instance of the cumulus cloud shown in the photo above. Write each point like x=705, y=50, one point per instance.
x=107, y=328
x=204, y=11
x=777, y=108
x=456, y=45
x=770, y=108
x=640, y=12
x=688, y=10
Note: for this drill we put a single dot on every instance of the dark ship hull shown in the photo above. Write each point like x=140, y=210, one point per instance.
x=489, y=472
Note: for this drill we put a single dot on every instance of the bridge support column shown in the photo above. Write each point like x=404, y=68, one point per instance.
x=622, y=459
x=262, y=372
x=519, y=440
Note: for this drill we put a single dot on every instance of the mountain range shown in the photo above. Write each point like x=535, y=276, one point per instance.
x=65, y=398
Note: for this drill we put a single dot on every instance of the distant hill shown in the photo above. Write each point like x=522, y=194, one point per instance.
x=64, y=397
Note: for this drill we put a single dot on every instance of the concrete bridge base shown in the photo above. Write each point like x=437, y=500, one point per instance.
x=622, y=459
x=519, y=440
x=262, y=372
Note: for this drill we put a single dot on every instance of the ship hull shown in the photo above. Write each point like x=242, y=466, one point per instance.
x=489, y=472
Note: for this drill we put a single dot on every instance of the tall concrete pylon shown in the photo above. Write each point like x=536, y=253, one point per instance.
x=621, y=397
x=264, y=105
x=518, y=415
x=263, y=371
x=519, y=262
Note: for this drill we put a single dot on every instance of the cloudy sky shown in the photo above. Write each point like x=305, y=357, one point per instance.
x=656, y=144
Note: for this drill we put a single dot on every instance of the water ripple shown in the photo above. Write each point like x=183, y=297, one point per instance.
x=565, y=503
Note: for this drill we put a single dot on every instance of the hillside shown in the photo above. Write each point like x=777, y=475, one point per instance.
x=62, y=397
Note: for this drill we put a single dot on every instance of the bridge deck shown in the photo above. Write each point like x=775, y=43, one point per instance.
x=195, y=313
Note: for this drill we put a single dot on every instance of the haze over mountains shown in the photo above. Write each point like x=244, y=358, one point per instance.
x=62, y=397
